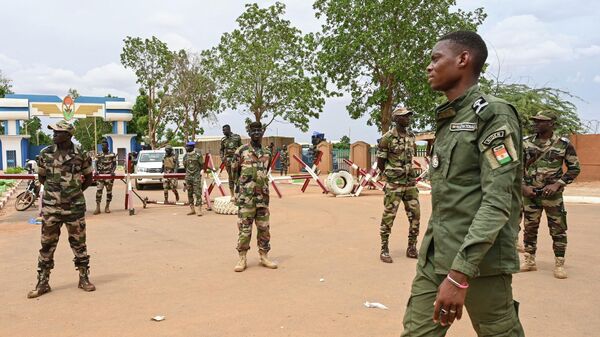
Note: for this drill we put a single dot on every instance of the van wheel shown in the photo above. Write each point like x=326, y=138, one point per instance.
x=138, y=186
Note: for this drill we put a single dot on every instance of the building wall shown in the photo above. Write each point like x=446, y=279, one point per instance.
x=587, y=150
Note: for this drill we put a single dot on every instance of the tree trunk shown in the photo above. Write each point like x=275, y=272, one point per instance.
x=386, y=112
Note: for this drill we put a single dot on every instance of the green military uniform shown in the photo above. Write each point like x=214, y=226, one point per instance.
x=476, y=199
x=544, y=166
x=398, y=151
x=106, y=163
x=170, y=164
x=63, y=202
x=193, y=162
x=253, y=196
x=284, y=159
x=228, y=147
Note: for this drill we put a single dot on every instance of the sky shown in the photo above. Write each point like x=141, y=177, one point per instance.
x=48, y=47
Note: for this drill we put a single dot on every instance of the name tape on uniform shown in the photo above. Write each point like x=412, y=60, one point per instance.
x=464, y=126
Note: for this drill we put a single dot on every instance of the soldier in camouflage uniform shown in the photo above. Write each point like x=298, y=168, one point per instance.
x=229, y=144
x=169, y=165
x=106, y=163
x=60, y=169
x=193, y=164
x=250, y=167
x=543, y=185
x=394, y=158
x=284, y=159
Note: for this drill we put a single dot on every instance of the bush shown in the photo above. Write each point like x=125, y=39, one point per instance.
x=14, y=170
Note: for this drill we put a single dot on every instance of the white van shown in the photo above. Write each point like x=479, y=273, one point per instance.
x=149, y=161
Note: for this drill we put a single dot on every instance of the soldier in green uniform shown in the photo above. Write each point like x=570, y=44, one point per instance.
x=250, y=168
x=284, y=159
x=468, y=253
x=394, y=158
x=193, y=164
x=60, y=169
x=229, y=144
x=543, y=185
x=106, y=163
x=169, y=165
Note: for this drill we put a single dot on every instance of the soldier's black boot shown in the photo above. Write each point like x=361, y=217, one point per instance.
x=84, y=280
x=42, y=285
x=385, y=254
x=411, y=251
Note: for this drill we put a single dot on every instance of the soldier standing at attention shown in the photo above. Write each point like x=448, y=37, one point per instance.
x=394, y=159
x=468, y=253
x=250, y=167
x=106, y=163
x=169, y=165
x=284, y=159
x=543, y=185
x=193, y=164
x=60, y=169
x=229, y=144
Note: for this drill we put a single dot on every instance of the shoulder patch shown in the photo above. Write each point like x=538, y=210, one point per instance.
x=463, y=126
x=479, y=105
x=493, y=136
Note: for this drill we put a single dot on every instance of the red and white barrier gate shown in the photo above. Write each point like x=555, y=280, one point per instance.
x=311, y=172
x=367, y=178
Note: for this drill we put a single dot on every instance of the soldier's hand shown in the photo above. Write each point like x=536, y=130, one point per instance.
x=450, y=300
x=528, y=191
x=550, y=190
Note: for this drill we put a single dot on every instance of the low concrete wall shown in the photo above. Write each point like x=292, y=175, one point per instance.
x=587, y=147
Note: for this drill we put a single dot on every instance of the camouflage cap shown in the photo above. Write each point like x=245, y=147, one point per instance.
x=168, y=147
x=401, y=111
x=63, y=125
x=544, y=115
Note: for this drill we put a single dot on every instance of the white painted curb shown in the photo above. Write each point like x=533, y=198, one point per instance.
x=581, y=199
x=8, y=194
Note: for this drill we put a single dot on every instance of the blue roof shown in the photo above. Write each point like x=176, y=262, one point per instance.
x=56, y=99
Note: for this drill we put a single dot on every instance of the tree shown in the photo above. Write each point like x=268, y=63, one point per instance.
x=139, y=122
x=344, y=143
x=33, y=127
x=264, y=67
x=193, y=96
x=529, y=101
x=86, y=134
x=151, y=60
x=73, y=93
x=5, y=86
x=378, y=50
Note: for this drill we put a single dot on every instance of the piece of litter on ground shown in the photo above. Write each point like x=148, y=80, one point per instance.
x=375, y=305
x=322, y=280
x=158, y=318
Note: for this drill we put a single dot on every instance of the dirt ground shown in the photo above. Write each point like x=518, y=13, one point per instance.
x=162, y=262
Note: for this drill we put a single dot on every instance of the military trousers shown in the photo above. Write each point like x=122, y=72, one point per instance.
x=557, y=222
x=409, y=196
x=260, y=216
x=51, y=225
x=489, y=302
x=194, y=190
x=100, y=186
x=230, y=181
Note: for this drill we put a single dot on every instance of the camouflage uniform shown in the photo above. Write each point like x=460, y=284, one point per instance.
x=253, y=197
x=106, y=163
x=544, y=166
x=400, y=188
x=193, y=164
x=170, y=164
x=63, y=202
x=229, y=145
x=284, y=159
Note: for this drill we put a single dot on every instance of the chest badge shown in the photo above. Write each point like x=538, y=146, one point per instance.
x=435, y=161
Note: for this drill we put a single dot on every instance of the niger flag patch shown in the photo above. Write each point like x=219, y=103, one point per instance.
x=502, y=155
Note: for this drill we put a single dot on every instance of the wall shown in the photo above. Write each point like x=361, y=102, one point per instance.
x=587, y=150
x=214, y=146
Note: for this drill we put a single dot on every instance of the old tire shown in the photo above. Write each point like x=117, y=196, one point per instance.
x=223, y=205
x=340, y=183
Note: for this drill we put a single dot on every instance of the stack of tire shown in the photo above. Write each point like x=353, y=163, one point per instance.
x=340, y=182
x=224, y=205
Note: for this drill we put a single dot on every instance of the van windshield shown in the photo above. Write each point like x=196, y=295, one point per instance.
x=151, y=157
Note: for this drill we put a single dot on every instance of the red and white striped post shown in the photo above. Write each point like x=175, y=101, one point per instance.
x=312, y=174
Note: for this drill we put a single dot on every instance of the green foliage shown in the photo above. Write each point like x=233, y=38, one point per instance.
x=14, y=170
x=73, y=93
x=84, y=132
x=152, y=61
x=33, y=127
x=4, y=85
x=529, y=101
x=193, y=97
x=139, y=122
x=264, y=67
x=378, y=51
x=344, y=143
